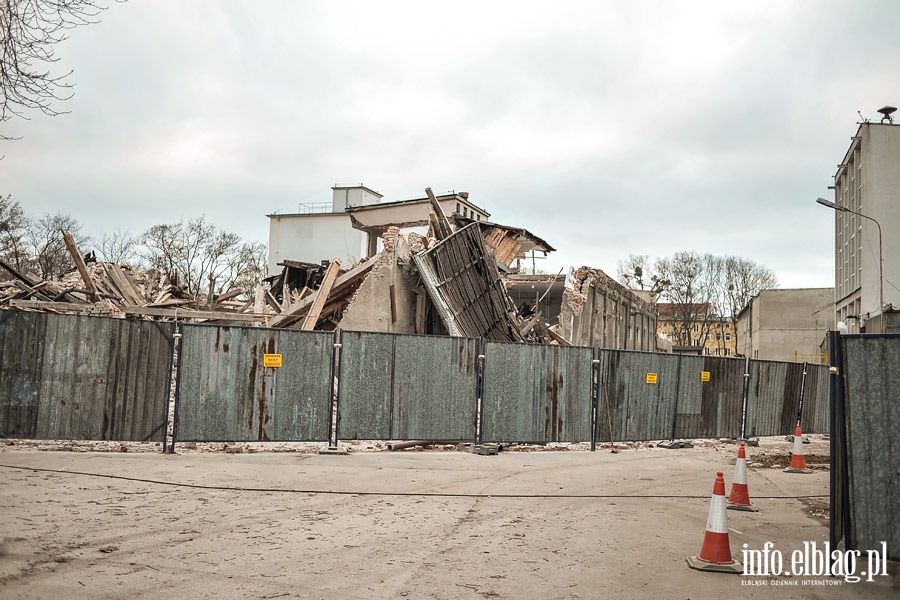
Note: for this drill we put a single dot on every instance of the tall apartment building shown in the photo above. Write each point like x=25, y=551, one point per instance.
x=867, y=269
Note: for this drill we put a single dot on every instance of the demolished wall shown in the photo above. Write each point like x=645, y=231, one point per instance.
x=598, y=311
x=386, y=300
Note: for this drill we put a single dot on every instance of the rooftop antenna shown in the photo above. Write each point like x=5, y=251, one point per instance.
x=862, y=119
x=887, y=114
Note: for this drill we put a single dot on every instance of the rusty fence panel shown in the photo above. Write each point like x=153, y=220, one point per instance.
x=871, y=388
x=637, y=396
x=773, y=400
x=76, y=377
x=710, y=397
x=227, y=393
x=407, y=387
x=536, y=393
x=815, y=408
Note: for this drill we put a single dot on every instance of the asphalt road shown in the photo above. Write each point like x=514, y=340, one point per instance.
x=414, y=524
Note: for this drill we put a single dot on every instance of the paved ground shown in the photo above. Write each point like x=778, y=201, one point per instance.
x=414, y=524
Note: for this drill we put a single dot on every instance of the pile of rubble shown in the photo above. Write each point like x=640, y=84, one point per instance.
x=445, y=282
x=106, y=289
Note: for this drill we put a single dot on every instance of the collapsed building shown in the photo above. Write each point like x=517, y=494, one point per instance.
x=458, y=277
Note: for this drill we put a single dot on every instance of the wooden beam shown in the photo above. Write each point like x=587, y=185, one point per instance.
x=78, y=259
x=301, y=307
x=443, y=222
x=187, y=313
x=18, y=275
x=312, y=317
x=50, y=305
x=123, y=285
x=270, y=299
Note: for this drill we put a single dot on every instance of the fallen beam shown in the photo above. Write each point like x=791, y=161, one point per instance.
x=187, y=313
x=78, y=259
x=312, y=316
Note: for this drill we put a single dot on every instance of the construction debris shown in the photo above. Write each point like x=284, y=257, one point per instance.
x=446, y=282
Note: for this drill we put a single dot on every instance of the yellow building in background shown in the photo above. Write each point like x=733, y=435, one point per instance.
x=696, y=329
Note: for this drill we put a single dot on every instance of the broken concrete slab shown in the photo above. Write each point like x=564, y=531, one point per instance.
x=675, y=444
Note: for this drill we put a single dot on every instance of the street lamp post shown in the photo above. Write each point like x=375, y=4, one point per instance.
x=834, y=206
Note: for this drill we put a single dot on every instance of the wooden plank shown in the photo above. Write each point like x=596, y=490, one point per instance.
x=297, y=264
x=138, y=292
x=342, y=283
x=18, y=275
x=443, y=222
x=270, y=299
x=50, y=305
x=312, y=317
x=125, y=287
x=78, y=259
x=230, y=294
x=187, y=313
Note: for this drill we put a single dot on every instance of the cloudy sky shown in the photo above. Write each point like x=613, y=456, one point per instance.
x=606, y=128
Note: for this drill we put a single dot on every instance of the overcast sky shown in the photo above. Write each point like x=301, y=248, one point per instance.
x=606, y=128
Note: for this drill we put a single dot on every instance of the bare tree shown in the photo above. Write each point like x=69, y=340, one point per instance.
x=29, y=33
x=47, y=247
x=741, y=279
x=639, y=273
x=690, y=289
x=118, y=247
x=703, y=290
x=192, y=253
x=13, y=224
x=246, y=267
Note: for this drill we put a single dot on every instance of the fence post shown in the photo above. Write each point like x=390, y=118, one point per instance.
x=176, y=356
x=677, y=395
x=479, y=393
x=335, y=403
x=839, y=523
x=745, y=399
x=802, y=392
x=595, y=396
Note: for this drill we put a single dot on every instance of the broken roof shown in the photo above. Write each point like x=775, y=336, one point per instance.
x=376, y=218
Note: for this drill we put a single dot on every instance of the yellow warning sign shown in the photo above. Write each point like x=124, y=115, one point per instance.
x=704, y=375
x=651, y=378
x=271, y=360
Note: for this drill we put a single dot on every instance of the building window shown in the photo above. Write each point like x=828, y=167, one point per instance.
x=696, y=343
x=727, y=337
x=718, y=337
x=696, y=328
x=727, y=351
x=717, y=351
x=707, y=336
x=706, y=351
x=457, y=208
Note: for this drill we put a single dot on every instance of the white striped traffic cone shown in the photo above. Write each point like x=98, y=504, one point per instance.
x=739, y=498
x=715, y=554
x=798, y=459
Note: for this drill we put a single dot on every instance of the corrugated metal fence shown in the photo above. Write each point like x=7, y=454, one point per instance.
x=69, y=377
x=865, y=451
x=407, y=387
x=226, y=393
x=536, y=393
x=83, y=378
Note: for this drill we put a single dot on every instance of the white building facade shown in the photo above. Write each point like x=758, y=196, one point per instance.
x=867, y=264
x=347, y=228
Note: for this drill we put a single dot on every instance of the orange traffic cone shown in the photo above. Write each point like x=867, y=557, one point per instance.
x=739, y=498
x=798, y=460
x=715, y=555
